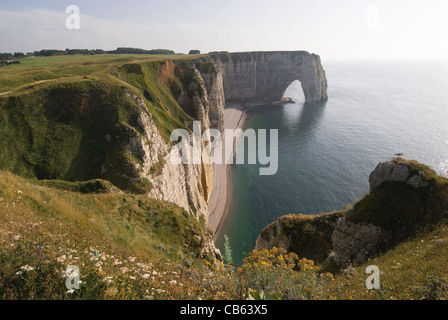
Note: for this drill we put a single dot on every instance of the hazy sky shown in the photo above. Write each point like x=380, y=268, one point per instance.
x=344, y=29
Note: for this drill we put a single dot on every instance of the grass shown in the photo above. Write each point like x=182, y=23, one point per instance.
x=408, y=272
x=39, y=225
x=86, y=187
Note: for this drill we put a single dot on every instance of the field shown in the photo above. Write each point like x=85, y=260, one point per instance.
x=32, y=70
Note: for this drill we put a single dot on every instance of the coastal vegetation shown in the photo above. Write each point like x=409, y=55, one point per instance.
x=133, y=247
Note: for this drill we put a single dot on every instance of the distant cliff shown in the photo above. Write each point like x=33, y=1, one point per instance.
x=405, y=198
x=263, y=77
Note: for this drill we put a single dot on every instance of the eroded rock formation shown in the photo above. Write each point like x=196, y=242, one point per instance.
x=262, y=77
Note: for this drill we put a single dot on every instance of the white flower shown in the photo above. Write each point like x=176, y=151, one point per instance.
x=124, y=270
x=17, y=237
x=19, y=273
x=107, y=279
x=145, y=276
x=61, y=259
x=70, y=291
x=19, y=192
x=27, y=268
x=173, y=282
x=132, y=259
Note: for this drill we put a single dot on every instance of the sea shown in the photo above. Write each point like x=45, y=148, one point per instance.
x=375, y=110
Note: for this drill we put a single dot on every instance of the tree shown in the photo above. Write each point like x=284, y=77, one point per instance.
x=194, y=52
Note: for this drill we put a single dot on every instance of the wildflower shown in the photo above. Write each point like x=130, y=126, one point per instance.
x=27, y=268
x=145, y=276
x=107, y=279
x=70, y=291
x=116, y=263
x=173, y=282
x=61, y=259
x=132, y=259
x=17, y=237
x=19, y=192
x=124, y=270
x=19, y=273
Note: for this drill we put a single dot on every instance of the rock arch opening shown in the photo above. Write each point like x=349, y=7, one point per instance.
x=294, y=92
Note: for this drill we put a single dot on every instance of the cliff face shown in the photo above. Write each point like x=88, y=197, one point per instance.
x=214, y=84
x=405, y=197
x=263, y=77
x=308, y=236
x=188, y=186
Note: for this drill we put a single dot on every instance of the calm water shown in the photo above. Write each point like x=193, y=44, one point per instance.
x=327, y=151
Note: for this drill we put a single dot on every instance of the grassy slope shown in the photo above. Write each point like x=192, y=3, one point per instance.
x=414, y=270
x=39, y=224
x=56, y=114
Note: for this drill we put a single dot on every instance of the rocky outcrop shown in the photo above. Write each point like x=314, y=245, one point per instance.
x=308, y=236
x=396, y=171
x=263, y=77
x=405, y=197
x=355, y=242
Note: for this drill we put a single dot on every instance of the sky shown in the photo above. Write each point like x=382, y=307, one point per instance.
x=344, y=29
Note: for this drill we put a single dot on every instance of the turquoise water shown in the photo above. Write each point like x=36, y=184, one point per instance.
x=327, y=151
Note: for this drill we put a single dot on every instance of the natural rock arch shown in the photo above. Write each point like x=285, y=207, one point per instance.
x=262, y=77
